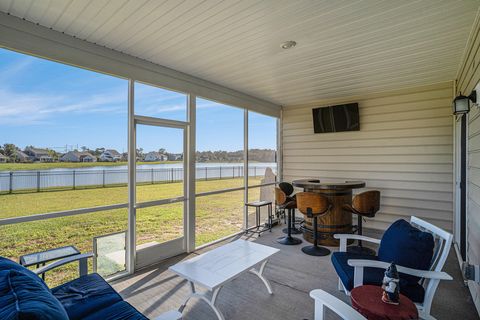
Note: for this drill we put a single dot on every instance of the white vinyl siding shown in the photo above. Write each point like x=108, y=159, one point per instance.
x=467, y=79
x=404, y=149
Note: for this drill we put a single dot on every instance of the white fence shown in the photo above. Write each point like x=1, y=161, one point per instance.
x=36, y=181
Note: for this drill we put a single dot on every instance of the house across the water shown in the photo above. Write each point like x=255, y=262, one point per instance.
x=155, y=156
x=37, y=154
x=110, y=155
x=77, y=156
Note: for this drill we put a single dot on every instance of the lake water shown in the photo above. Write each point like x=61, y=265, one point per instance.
x=103, y=176
x=167, y=165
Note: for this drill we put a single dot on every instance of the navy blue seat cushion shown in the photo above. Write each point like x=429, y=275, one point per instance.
x=373, y=276
x=119, y=311
x=7, y=264
x=407, y=246
x=22, y=298
x=86, y=295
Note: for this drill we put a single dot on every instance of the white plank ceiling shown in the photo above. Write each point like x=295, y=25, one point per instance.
x=345, y=47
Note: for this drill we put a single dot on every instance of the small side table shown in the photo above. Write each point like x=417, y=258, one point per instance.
x=41, y=258
x=258, y=206
x=367, y=300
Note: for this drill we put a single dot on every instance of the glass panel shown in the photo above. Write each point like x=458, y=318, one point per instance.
x=111, y=254
x=262, y=148
x=159, y=163
x=214, y=184
x=160, y=103
x=79, y=231
x=57, y=125
x=265, y=193
x=218, y=216
x=219, y=145
x=159, y=224
x=40, y=202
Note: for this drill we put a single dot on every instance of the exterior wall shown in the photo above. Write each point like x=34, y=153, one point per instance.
x=89, y=159
x=467, y=79
x=404, y=149
x=152, y=156
x=69, y=157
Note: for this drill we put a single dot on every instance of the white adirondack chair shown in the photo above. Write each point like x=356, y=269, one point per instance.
x=430, y=278
x=324, y=299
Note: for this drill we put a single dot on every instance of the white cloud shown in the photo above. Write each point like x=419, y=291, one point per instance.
x=153, y=100
x=37, y=108
x=153, y=107
x=209, y=104
x=12, y=70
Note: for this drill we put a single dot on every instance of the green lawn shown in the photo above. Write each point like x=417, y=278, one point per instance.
x=56, y=165
x=216, y=216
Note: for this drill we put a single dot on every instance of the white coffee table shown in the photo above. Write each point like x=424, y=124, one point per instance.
x=213, y=269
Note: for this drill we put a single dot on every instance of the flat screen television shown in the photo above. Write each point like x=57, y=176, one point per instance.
x=339, y=118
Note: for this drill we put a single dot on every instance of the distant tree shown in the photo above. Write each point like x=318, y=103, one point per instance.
x=84, y=148
x=262, y=155
x=9, y=150
x=53, y=154
x=161, y=150
x=92, y=152
x=98, y=151
x=257, y=155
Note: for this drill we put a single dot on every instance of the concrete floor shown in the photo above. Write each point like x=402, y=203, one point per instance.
x=292, y=275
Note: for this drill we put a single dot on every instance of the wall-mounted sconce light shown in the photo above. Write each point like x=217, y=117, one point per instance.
x=461, y=104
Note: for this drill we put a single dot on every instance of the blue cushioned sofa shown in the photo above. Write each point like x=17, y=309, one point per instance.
x=24, y=295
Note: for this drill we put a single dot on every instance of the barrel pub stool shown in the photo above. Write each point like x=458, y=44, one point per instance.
x=313, y=205
x=289, y=204
x=258, y=206
x=288, y=189
x=365, y=204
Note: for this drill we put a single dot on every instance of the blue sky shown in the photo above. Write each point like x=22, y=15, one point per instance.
x=48, y=104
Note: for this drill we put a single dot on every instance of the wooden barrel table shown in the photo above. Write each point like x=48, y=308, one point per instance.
x=336, y=220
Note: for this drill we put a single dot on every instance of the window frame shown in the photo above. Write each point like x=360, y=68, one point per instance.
x=190, y=163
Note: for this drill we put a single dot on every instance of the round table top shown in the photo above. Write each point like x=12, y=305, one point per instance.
x=317, y=184
x=367, y=300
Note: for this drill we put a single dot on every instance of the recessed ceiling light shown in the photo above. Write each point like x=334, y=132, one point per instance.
x=288, y=44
